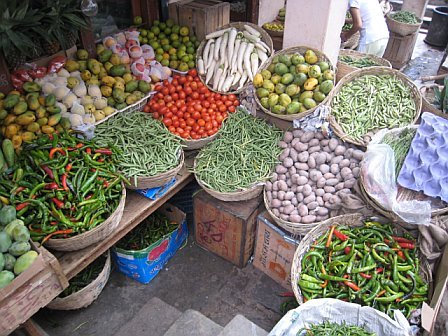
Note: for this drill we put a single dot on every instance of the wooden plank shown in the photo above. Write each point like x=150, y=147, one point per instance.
x=136, y=209
x=252, y=11
x=33, y=329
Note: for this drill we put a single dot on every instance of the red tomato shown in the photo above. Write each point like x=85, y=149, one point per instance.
x=224, y=98
x=163, y=110
x=156, y=115
x=182, y=95
x=189, y=78
x=182, y=80
x=168, y=98
x=195, y=95
x=206, y=104
x=231, y=109
x=228, y=103
x=188, y=91
x=165, y=91
x=192, y=72
x=156, y=106
x=146, y=108
x=175, y=82
x=175, y=96
x=219, y=118
x=194, y=86
x=176, y=123
x=196, y=115
x=201, y=122
x=190, y=121
x=172, y=129
x=168, y=122
x=223, y=108
x=210, y=132
x=236, y=102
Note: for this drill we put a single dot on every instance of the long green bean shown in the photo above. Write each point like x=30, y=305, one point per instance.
x=328, y=328
x=405, y=17
x=400, y=144
x=362, y=62
x=245, y=153
x=372, y=102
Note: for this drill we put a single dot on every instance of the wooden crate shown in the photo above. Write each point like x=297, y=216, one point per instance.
x=202, y=16
x=226, y=228
x=274, y=250
x=399, y=49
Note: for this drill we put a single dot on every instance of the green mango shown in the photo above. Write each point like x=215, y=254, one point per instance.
x=117, y=70
x=53, y=109
x=19, y=248
x=50, y=100
x=5, y=242
x=54, y=119
x=7, y=214
x=279, y=109
x=10, y=260
x=121, y=106
x=2, y=261
x=24, y=261
x=21, y=233
x=105, y=55
x=31, y=87
x=131, y=86
x=118, y=95
x=6, y=277
x=20, y=108
x=10, y=101
x=293, y=108
x=144, y=86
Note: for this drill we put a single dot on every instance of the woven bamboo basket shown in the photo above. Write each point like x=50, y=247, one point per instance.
x=299, y=49
x=371, y=71
x=148, y=182
x=354, y=220
x=352, y=42
x=400, y=28
x=428, y=96
x=189, y=145
x=240, y=26
x=93, y=236
x=345, y=69
x=274, y=33
x=86, y=295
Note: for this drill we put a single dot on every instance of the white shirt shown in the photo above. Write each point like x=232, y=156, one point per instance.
x=374, y=25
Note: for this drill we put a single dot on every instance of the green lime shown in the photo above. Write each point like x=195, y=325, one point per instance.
x=175, y=29
x=166, y=47
x=191, y=64
x=159, y=51
x=165, y=62
x=185, y=58
x=190, y=50
x=167, y=31
x=156, y=23
x=169, y=23
x=155, y=30
x=162, y=25
x=159, y=57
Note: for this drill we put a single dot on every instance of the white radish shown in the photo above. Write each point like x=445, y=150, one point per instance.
x=246, y=60
x=243, y=80
x=253, y=63
x=231, y=44
x=217, y=77
x=223, y=48
x=251, y=37
x=239, y=60
x=201, y=67
x=216, y=34
x=235, y=53
x=265, y=46
x=210, y=71
x=252, y=31
x=224, y=76
x=217, y=46
x=261, y=47
x=261, y=55
x=236, y=77
x=227, y=83
x=210, y=58
x=207, y=50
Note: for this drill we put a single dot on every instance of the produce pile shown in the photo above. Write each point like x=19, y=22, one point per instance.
x=372, y=102
x=405, y=17
x=358, y=62
x=313, y=175
x=243, y=155
x=294, y=83
x=231, y=57
x=400, y=145
x=150, y=231
x=145, y=146
x=328, y=328
x=188, y=108
x=369, y=265
x=15, y=250
x=62, y=186
x=274, y=26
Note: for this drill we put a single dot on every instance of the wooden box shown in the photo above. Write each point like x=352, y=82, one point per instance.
x=202, y=16
x=274, y=250
x=226, y=228
x=399, y=49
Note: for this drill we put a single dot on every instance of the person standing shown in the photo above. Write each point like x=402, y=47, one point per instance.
x=368, y=19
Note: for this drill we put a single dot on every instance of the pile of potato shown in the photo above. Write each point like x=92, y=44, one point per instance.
x=313, y=173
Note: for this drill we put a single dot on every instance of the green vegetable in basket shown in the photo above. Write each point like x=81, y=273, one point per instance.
x=442, y=96
x=361, y=62
x=405, y=17
x=400, y=144
x=328, y=328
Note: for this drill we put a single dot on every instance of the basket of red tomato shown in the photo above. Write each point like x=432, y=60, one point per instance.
x=190, y=110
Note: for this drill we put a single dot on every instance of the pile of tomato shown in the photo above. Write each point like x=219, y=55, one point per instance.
x=188, y=108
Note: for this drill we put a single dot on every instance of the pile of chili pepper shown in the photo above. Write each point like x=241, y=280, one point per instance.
x=152, y=229
x=85, y=277
x=368, y=265
x=62, y=186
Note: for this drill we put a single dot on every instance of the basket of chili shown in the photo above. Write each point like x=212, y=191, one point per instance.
x=85, y=287
x=361, y=261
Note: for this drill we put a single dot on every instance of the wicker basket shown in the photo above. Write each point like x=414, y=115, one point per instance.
x=400, y=28
x=86, y=295
x=345, y=69
x=93, y=236
x=148, y=182
x=299, y=49
x=355, y=220
x=189, y=145
x=371, y=71
x=352, y=42
x=428, y=96
x=274, y=33
x=240, y=26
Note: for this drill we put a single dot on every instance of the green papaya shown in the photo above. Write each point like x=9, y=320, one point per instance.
x=10, y=260
x=31, y=87
x=10, y=101
x=144, y=86
x=5, y=242
x=9, y=229
x=50, y=100
x=3, y=114
x=19, y=248
x=24, y=261
x=7, y=214
x=118, y=95
x=21, y=233
x=6, y=277
x=53, y=109
x=131, y=86
x=20, y=108
x=117, y=70
x=2, y=262
x=32, y=95
x=26, y=118
x=33, y=103
x=105, y=55
x=54, y=119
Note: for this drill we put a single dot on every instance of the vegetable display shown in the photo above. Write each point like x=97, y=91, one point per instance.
x=146, y=148
x=405, y=17
x=361, y=62
x=400, y=144
x=369, y=265
x=328, y=328
x=244, y=154
x=441, y=96
x=15, y=250
x=294, y=83
x=231, y=57
x=62, y=186
x=188, y=108
x=372, y=102
x=313, y=175
x=151, y=230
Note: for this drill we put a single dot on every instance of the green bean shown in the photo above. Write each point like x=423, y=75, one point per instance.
x=400, y=144
x=328, y=328
x=361, y=62
x=405, y=17
x=244, y=154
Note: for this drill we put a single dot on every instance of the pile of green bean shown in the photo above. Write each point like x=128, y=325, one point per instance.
x=153, y=228
x=362, y=62
x=328, y=328
x=146, y=147
x=405, y=17
x=245, y=153
x=373, y=102
x=400, y=144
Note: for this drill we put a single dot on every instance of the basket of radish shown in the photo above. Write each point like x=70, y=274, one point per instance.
x=228, y=59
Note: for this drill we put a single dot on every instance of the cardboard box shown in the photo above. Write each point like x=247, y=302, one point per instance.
x=226, y=228
x=274, y=250
x=143, y=265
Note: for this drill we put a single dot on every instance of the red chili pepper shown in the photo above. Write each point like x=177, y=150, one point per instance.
x=381, y=293
x=22, y=206
x=104, y=151
x=68, y=231
x=379, y=269
x=340, y=235
x=53, y=151
x=105, y=184
x=64, y=182
x=18, y=190
x=89, y=150
x=48, y=171
x=407, y=245
x=351, y=285
x=68, y=167
x=50, y=136
x=79, y=145
x=53, y=223
x=400, y=254
x=100, y=160
x=287, y=294
x=387, y=241
x=51, y=186
x=365, y=276
x=89, y=196
x=58, y=203
x=402, y=240
x=347, y=249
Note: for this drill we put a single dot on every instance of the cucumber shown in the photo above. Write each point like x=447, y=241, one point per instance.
x=8, y=152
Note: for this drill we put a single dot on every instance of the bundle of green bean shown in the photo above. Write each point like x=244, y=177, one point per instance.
x=362, y=62
x=372, y=102
x=245, y=153
x=85, y=277
x=400, y=144
x=147, y=147
x=405, y=17
x=328, y=328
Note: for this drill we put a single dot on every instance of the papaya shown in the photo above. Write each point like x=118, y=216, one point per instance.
x=33, y=127
x=118, y=95
x=108, y=81
x=3, y=114
x=47, y=129
x=41, y=112
x=53, y=109
x=5, y=242
x=13, y=223
x=10, y=101
x=20, y=108
x=10, y=118
x=26, y=118
x=2, y=261
x=32, y=95
x=6, y=277
x=131, y=86
x=54, y=119
x=41, y=100
x=65, y=123
x=31, y=87
x=50, y=100
x=8, y=152
x=105, y=55
x=16, y=141
x=24, y=261
x=42, y=121
x=10, y=260
x=117, y=70
x=19, y=248
x=28, y=136
x=33, y=103
x=11, y=130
